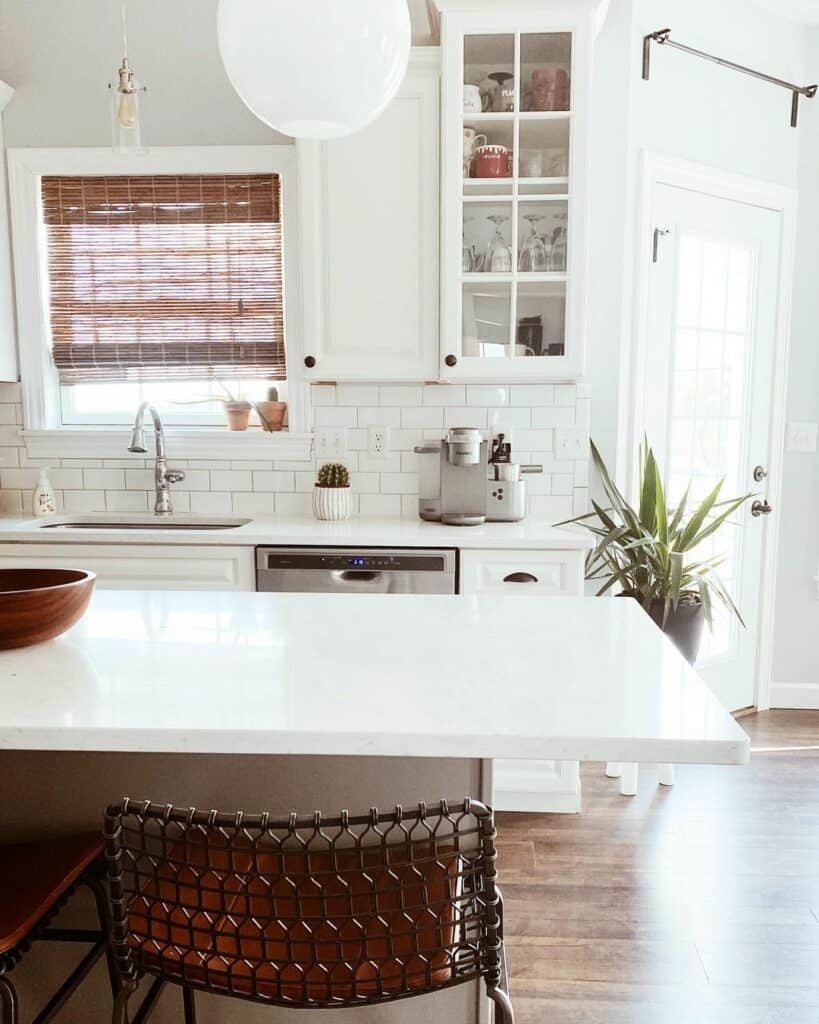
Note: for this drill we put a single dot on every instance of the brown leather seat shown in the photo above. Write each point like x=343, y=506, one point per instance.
x=33, y=877
x=349, y=930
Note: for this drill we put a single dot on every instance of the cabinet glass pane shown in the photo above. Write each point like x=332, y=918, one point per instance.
x=487, y=152
x=487, y=238
x=489, y=73
x=486, y=314
x=544, y=154
x=541, y=318
x=545, y=71
x=542, y=236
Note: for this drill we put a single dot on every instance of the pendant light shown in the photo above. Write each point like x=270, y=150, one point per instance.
x=315, y=69
x=126, y=128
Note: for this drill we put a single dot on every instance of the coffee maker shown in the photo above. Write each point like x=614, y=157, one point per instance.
x=465, y=480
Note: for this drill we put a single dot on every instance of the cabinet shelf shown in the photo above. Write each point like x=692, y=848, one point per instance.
x=552, y=277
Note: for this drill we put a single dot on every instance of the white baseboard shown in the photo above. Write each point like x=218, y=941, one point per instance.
x=804, y=696
x=544, y=786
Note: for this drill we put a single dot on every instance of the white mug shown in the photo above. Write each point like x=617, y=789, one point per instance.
x=472, y=99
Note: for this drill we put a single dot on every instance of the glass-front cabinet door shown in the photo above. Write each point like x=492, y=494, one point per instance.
x=514, y=194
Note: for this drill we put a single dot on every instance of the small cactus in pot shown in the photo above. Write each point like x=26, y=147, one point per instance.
x=331, y=495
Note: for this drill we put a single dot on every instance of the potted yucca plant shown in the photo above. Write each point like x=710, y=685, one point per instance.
x=648, y=552
x=331, y=495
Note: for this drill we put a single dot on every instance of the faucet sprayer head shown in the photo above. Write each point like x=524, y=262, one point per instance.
x=137, y=444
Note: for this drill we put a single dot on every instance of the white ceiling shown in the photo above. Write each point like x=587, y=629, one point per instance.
x=804, y=11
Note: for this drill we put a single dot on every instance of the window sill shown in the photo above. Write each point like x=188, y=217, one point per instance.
x=182, y=443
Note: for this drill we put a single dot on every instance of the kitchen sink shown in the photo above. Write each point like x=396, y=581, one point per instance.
x=143, y=523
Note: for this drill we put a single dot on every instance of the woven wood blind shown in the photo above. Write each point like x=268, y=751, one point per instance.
x=165, y=278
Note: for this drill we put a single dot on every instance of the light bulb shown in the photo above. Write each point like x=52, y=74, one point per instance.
x=125, y=114
x=127, y=109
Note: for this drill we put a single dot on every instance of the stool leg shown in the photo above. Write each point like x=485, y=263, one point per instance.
x=628, y=780
x=189, y=1004
x=96, y=886
x=8, y=1002
x=614, y=769
x=666, y=774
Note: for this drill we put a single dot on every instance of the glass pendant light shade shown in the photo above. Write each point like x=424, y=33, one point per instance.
x=126, y=134
x=315, y=69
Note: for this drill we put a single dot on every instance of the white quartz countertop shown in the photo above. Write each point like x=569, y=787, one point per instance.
x=404, y=676
x=361, y=531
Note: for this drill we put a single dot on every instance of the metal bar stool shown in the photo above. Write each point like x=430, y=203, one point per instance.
x=36, y=881
x=305, y=912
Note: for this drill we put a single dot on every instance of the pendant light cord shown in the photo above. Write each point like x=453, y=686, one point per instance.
x=124, y=32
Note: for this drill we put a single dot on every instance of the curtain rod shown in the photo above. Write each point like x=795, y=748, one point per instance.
x=663, y=38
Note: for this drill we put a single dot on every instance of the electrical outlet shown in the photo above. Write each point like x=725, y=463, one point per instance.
x=378, y=442
x=571, y=443
x=330, y=443
x=801, y=437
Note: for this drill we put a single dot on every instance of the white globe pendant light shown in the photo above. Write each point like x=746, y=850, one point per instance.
x=315, y=69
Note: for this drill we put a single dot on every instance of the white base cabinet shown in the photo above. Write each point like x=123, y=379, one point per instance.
x=545, y=786
x=142, y=567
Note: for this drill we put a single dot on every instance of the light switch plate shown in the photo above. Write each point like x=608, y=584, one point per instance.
x=330, y=443
x=801, y=437
x=571, y=443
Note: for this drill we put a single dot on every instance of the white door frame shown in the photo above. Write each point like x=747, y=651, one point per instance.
x=658, y=169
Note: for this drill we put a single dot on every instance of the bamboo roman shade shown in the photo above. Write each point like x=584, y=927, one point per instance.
x=158, y=278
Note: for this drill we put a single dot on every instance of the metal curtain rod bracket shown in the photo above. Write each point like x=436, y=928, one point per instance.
x=663, y=37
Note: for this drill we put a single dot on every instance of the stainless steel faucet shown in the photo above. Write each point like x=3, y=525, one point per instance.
x=162, y=475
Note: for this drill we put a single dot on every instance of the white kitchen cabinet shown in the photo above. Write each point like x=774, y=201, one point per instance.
x=369, y=233
x=529, y=785
x=142, y=567
x=8, y=343
x=551, y=573
x=516, y=80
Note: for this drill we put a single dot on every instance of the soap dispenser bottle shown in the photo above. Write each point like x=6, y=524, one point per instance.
x=43, y=500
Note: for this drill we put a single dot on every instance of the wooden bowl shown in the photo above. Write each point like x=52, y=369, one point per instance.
x=39, y=604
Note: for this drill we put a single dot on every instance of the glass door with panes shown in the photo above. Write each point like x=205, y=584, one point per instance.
x=512, y=199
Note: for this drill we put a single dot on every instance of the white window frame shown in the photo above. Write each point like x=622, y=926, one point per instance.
x=43, y=432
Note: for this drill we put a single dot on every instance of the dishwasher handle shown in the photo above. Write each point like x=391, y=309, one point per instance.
x=357, y=575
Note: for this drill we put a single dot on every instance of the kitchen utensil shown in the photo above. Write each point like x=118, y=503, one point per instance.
x=550, y=88
x=491, y=161
x=499, y=254
x=39, y=604
x=472, y=99
x=531, y=163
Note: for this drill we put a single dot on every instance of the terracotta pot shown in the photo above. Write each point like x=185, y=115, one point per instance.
x=331, y=503
x=271, y=414
x=683, y=626
x=238, y=415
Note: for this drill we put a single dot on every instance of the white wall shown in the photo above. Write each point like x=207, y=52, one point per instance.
x=796, y=652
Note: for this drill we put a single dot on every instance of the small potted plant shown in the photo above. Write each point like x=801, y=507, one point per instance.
x=331, y=495
x=648, y=552
x=271, y=412
x=237, y=410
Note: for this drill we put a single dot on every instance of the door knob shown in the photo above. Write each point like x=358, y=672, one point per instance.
x=759, y=473
x=310, y=362
x=451, y=360
x=761, y=508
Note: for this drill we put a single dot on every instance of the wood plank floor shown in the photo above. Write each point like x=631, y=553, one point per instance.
x=697, y=904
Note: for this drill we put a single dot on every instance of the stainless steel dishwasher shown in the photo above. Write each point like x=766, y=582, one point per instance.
x=356, y=570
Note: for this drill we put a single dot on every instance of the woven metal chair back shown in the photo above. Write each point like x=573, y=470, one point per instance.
x=305, y=912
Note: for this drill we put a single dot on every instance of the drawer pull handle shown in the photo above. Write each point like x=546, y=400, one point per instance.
x=520, y=577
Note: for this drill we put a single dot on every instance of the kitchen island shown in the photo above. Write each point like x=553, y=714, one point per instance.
x=273, y=702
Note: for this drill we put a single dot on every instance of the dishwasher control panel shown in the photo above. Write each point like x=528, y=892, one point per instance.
x=356, y=570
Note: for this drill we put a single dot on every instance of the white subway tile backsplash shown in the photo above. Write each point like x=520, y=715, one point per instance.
x=8, y=414
x=84, y=501
x=323, y=394
x=487, y=394
x=399, y=483
x=331, y=416
x=365, y=483
x=562, y=483
x=406, y=440
x=379, y=416
x=399, y=394
x=306, y=481
x=444, y=394
x=62, y=479
x=10, y=436
x=551, y=508
x=377, y=464
x=11, y=502
x=132, y=501
x=10, y=392
x=535, y=440
x=9, y=458
x=254, y=504
x=357, y=440
x=195, y=480
x=356, y=394
x=380, y=504
x=294, y=504
x=423, y=416
x=565, y=394
x=140, y=479
x=532, y=394
x=232, y=480
x=506, y=419
x=104, y=479
x=210, y=503
x=465, y=416
x=553, y=416
x=19, y=478
x=270, y=481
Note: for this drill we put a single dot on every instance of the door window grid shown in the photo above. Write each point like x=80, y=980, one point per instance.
x=710, y=381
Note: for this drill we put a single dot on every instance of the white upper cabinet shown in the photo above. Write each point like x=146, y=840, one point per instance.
x=8, y=342
x=369, y=231
x=515, y=125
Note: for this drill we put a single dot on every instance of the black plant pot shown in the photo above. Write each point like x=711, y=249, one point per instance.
x=683, y=626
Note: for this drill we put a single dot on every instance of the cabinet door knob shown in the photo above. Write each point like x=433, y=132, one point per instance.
x=520, y=577
x=310, y=361
x=451, y=360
